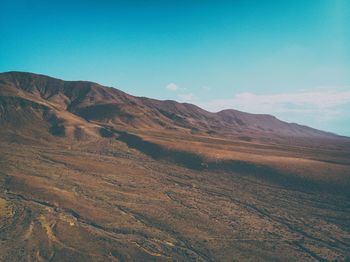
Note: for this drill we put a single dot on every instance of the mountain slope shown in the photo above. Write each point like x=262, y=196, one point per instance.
x=81, y=100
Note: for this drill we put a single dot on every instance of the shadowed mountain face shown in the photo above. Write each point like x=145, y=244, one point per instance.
x=90, y=173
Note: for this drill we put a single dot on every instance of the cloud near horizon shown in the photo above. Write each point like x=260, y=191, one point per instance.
x=322, y=99
x=186, y=97
x=322, y=108
x=172, y=87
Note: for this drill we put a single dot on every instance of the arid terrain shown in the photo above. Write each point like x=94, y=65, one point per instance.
x=90, y=173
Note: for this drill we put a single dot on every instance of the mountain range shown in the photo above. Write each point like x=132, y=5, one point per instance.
x=79, y=109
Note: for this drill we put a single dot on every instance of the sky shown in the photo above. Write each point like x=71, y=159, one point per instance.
x=290, y=59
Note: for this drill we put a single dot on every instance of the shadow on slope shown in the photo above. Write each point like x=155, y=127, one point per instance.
x=196, y=162
x=23, y=115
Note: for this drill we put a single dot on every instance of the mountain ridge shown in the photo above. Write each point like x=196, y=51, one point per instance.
x=98, y=104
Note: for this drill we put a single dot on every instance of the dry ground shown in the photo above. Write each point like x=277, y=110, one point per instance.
x=106, y=201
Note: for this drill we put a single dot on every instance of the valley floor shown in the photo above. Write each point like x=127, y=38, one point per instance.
x=102, y=201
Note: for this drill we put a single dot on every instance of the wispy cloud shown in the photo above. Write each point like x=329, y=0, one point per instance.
x=317, y=101
x=172, y=87
x=183, y=97
x=186, y=97
x=206, y=88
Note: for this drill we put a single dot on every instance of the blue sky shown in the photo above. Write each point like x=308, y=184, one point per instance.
x=286, y=58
